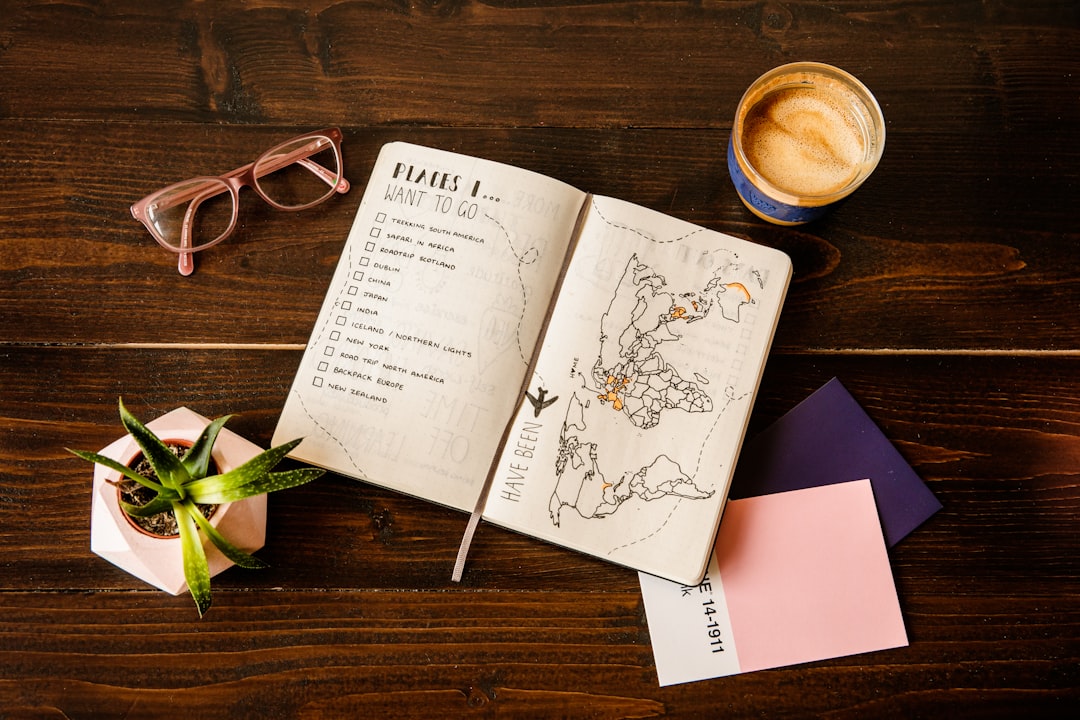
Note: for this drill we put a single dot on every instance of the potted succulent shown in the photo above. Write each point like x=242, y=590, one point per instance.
x=166, y=496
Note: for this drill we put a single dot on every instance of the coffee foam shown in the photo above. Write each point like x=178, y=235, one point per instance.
x=805, y=140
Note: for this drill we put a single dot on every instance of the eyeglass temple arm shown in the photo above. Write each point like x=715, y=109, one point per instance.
x=327, y=176
x=185, y=262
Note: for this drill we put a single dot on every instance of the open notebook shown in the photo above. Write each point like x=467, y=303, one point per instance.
x=576, y=368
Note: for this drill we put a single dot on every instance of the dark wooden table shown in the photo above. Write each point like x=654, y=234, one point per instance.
x=945, y=295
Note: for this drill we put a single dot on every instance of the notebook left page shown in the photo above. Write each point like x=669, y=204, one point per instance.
x=417, y=357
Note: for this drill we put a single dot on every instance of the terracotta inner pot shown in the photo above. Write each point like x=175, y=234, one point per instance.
x=163, y=525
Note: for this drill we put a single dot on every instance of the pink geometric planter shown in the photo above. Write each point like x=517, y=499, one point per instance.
x=156, y=560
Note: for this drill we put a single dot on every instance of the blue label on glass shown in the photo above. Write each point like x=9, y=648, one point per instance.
x=766, y=206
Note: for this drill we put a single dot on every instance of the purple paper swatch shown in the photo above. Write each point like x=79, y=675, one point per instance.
x=829, y=438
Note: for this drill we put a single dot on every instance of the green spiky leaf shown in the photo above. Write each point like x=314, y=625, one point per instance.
x=249, y=474
x=235, y=554
x=168, y=467
x=197, y=460
x=264, y=461
x=126, y=472
x=219, y=489
x=155, y=506
x=196, y=568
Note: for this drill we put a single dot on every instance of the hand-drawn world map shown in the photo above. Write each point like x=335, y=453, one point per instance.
x=632, y=378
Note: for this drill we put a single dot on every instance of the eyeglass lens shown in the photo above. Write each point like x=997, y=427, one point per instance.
x=298, y=173
x=205, y=205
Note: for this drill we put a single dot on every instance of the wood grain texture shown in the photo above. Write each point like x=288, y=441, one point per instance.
x=895, y=268
x=944, y=294
x=550, y=654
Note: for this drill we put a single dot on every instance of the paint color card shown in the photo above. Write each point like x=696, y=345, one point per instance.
x=829, y=438
x=795, y=577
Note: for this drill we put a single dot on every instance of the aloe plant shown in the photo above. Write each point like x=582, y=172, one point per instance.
x=183, y=484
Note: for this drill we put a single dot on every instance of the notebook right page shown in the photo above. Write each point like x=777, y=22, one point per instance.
x=638, y=405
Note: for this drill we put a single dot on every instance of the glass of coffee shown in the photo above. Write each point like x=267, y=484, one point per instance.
x=806, y=135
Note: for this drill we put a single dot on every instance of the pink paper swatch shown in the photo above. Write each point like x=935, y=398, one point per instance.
x=806, y=576
x=795, y=577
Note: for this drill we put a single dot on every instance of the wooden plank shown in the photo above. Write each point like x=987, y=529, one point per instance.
x=893, y=269
x=535, y=654
x=605, y=64
x=1007, y=482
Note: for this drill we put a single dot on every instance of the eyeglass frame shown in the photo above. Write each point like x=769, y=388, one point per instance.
x=234, y=180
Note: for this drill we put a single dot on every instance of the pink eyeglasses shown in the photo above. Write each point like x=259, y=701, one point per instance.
x=195, y=214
